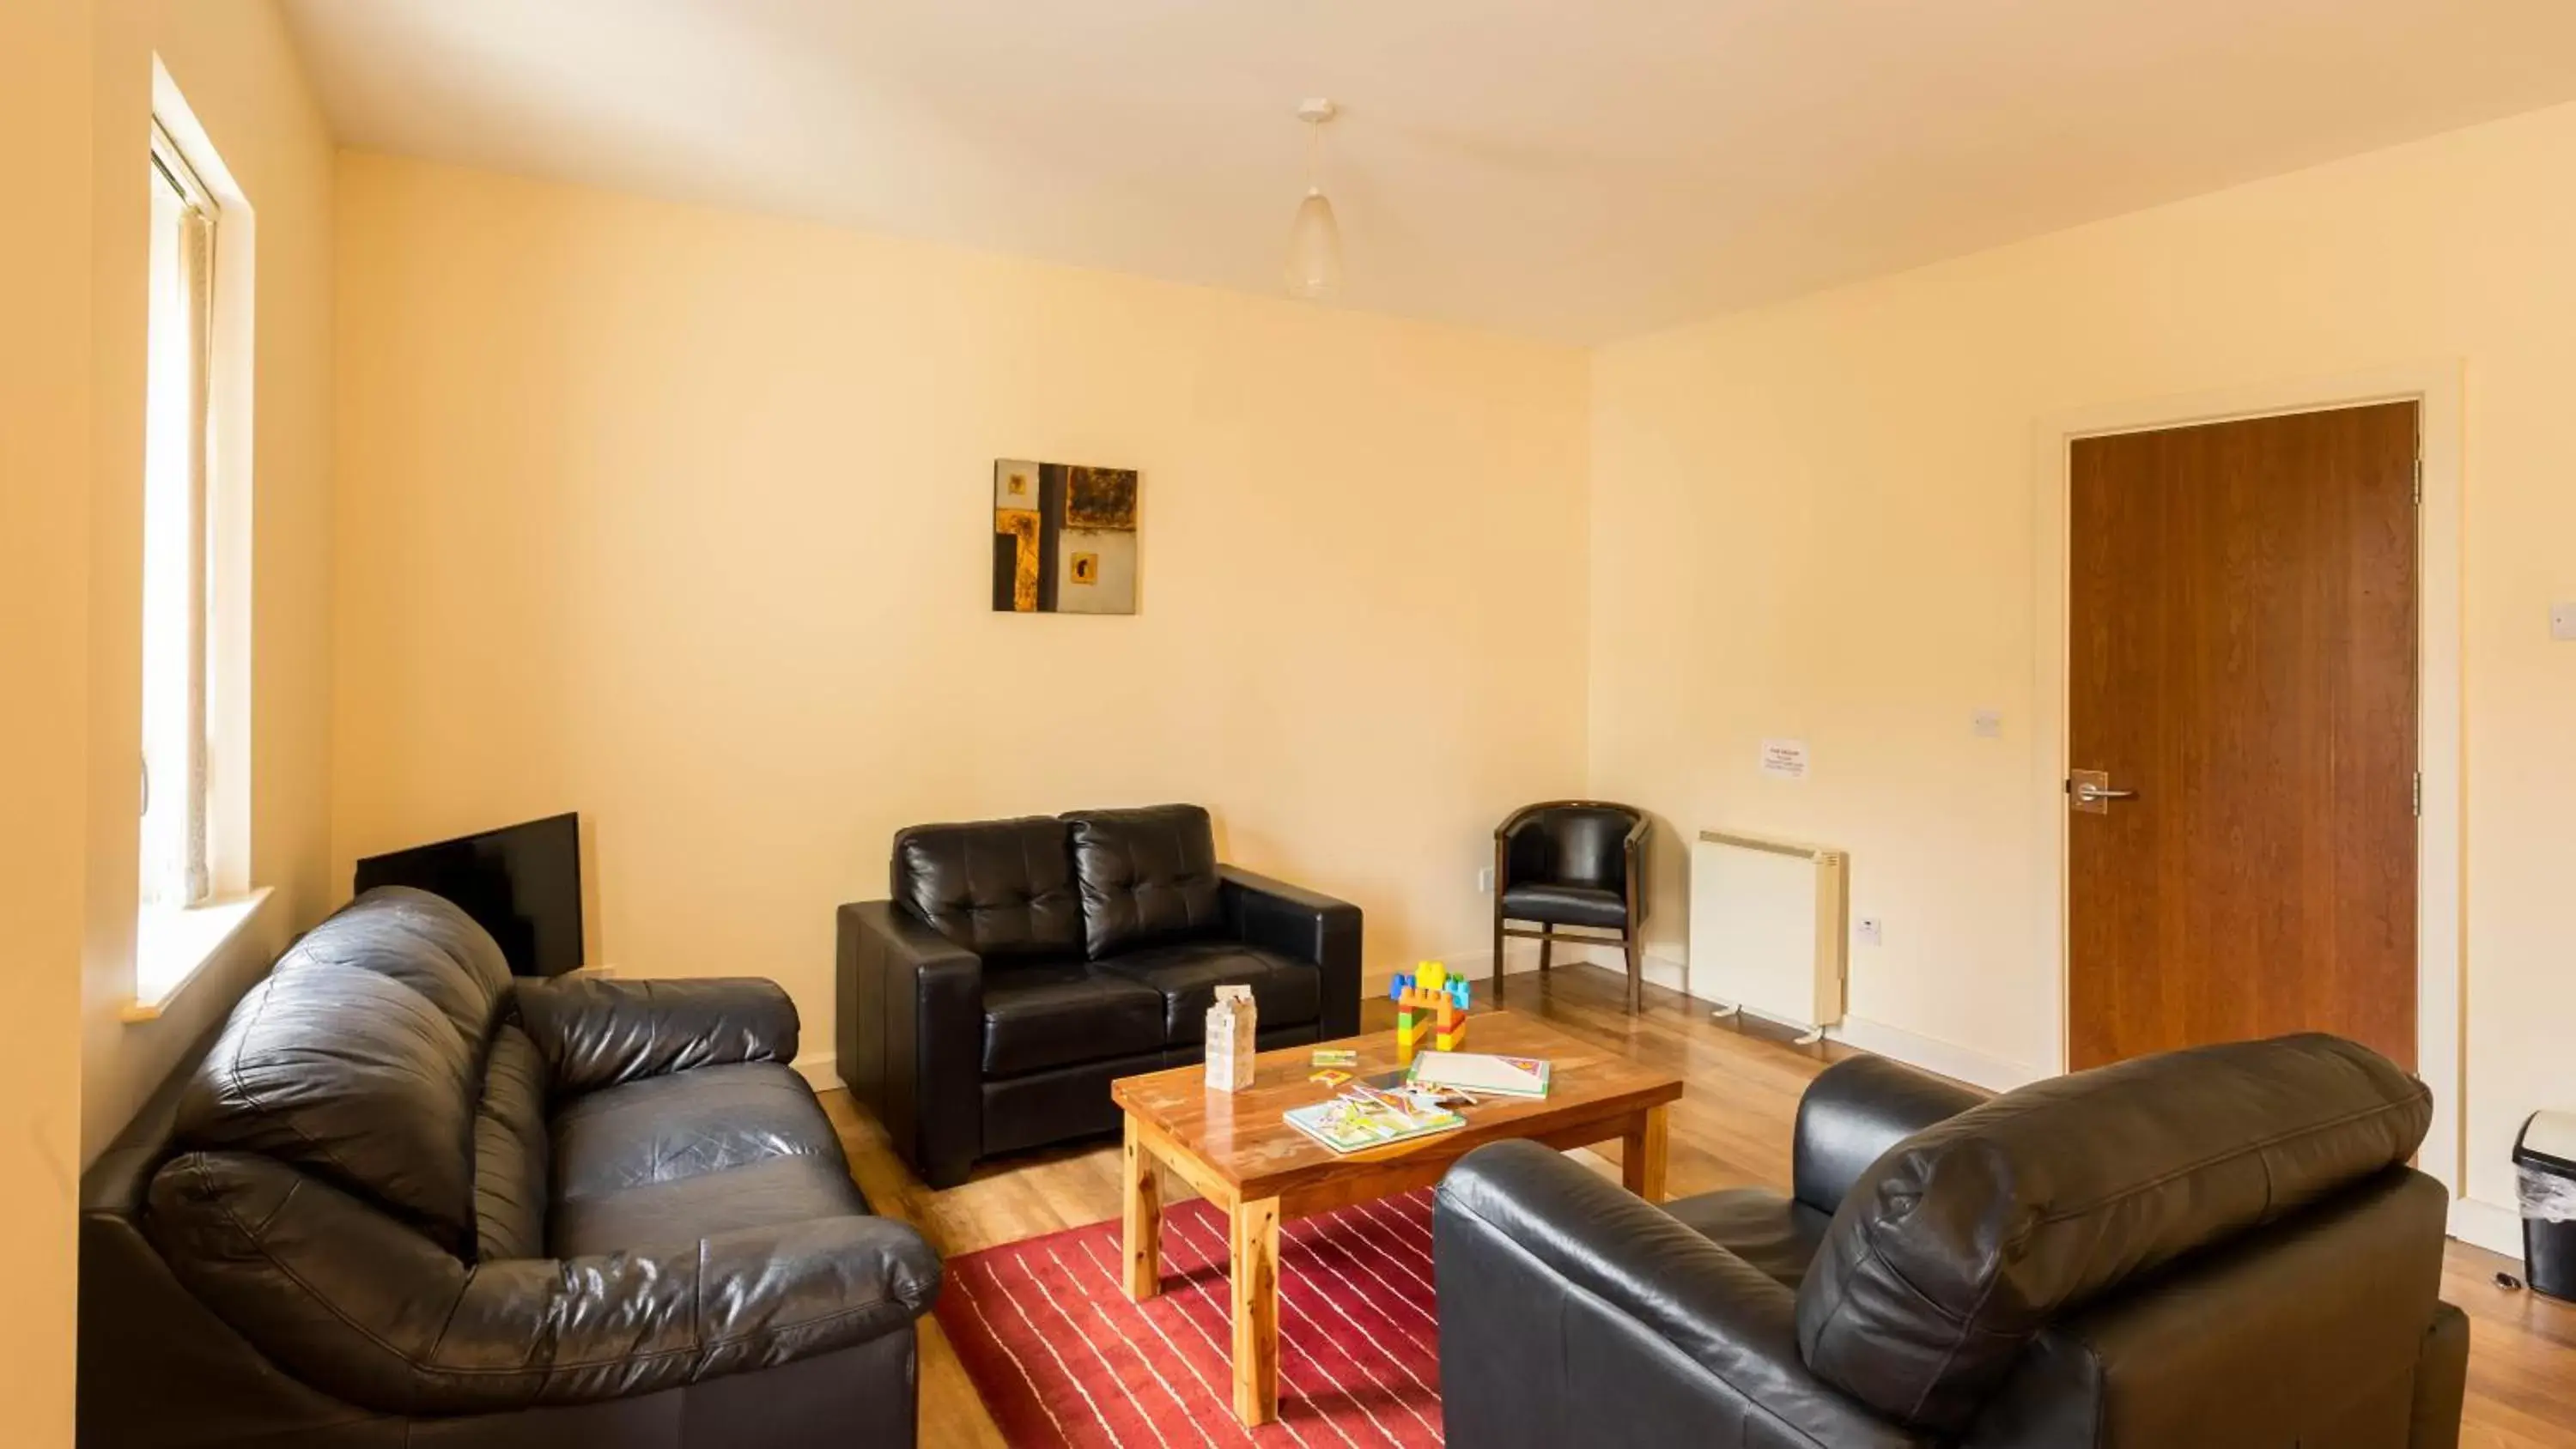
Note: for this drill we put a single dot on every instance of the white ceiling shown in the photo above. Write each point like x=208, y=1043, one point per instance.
x=1568, y=169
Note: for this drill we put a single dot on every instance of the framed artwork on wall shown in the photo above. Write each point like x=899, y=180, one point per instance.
x=1064, y=538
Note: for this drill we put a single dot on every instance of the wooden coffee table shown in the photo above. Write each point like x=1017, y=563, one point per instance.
x=1235, y=1148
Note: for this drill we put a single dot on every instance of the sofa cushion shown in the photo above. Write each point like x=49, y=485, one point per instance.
x=352, y=1074
x=1187, y=973
x=999, y=888
x=1566, y=905
x=512, y=1151
x=1963, y=1241
x=427, y=943
x=1776, y=1234
x=687, y=1124
x=1146, y=876
x=621, y=1152
x=772, y=1192
x=1041, y=1015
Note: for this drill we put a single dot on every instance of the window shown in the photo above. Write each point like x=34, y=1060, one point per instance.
x=193, y=887
x=175, y=549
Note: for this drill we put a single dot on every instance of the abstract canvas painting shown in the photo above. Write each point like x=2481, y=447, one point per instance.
x=1064, y=539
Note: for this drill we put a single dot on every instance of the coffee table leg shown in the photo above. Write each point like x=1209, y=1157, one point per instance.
x=1641, y=1154
x=1255, y=1244
x=1144, y=1197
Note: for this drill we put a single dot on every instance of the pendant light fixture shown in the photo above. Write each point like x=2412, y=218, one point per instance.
x=1314, y=238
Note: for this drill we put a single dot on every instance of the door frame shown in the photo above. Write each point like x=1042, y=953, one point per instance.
x=2437, y=389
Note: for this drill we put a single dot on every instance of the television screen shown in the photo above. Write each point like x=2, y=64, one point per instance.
x=522, y=883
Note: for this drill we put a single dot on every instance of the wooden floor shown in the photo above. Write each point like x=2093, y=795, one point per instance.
x=1731, y=1129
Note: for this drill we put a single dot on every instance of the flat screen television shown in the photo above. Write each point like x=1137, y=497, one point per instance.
x=522, y=883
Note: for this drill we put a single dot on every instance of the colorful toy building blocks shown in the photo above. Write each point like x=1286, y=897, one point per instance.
x=1429, y=1002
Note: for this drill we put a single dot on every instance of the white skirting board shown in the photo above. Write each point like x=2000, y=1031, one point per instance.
x=2484, y=1225
x=819, y=1071
x=1931, y=1054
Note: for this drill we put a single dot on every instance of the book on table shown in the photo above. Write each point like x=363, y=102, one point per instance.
x=1480, y=1072
x=1347, y=1125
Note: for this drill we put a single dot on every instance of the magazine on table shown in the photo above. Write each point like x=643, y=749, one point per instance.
x=1357, y=1123
x=1481, y=1073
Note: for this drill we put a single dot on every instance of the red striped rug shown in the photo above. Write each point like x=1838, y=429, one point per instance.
x=1062, y=1357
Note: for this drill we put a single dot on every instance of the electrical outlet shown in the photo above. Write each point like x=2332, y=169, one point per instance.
x=1871, y=931
x=2562, y=622
x=1987, y=724
x=1485, y=880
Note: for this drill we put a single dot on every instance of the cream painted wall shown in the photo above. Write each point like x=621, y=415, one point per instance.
x=239, y=72
x=1816, y=520
x=680, y=518
x=44, y=661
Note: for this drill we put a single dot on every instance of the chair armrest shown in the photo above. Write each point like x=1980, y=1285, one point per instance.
x=1562, y=1294
x=1307, y=925
x=347, y=1299
x=912, y=1036
x=1853, y=1112
x=599, y=1031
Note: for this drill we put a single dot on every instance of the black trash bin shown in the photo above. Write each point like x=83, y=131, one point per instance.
x=2544, y=1158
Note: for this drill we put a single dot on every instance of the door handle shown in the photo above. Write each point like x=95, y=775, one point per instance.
x=2092, y=791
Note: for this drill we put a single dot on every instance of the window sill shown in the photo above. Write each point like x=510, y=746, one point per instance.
x=172, y=948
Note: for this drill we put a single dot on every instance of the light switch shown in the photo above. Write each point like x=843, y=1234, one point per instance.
x=2562, y=622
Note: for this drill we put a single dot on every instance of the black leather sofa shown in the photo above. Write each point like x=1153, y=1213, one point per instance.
x=404, y=1199
x=1024, y=964
x=2214, y=1248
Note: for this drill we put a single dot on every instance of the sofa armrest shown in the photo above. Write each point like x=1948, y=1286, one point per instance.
x=1561, y=1293
x=365, y=1308
x=1307, y=925
x=598, y=1031
x=1853, y=1112
x=912, y=1036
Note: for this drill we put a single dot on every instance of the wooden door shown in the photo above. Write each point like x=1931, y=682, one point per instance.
x=2242, y=611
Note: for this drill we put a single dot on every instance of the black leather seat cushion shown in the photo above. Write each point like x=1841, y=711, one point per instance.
x=1776, y=1234
x=1565, y=905
x=1054, y=1014
x=776, y=1192
x=999, y=888
x=1187, y=974
x=671, y=1159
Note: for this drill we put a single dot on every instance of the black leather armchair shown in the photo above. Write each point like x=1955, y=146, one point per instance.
x=1023, y=965
x=1574, y=863
x=406, y=1199
x=2222, y=1247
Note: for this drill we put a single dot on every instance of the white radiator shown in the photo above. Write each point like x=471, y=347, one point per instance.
x=1767, y=928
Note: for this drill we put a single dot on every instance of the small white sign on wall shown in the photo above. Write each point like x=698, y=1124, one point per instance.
x=1785, y=758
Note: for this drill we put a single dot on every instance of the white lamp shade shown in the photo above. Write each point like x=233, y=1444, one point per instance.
x=1315, y=251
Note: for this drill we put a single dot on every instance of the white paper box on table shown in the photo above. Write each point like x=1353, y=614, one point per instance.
x=1230, y=1039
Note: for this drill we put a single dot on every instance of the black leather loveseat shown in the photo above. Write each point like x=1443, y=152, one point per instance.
x=1024, y=964
x=407, y=1200
x=2215, y=1248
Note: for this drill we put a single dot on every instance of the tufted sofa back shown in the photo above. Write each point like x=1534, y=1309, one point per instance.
x=1002, y=889
x=1093, y=882
x=1147, y=876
